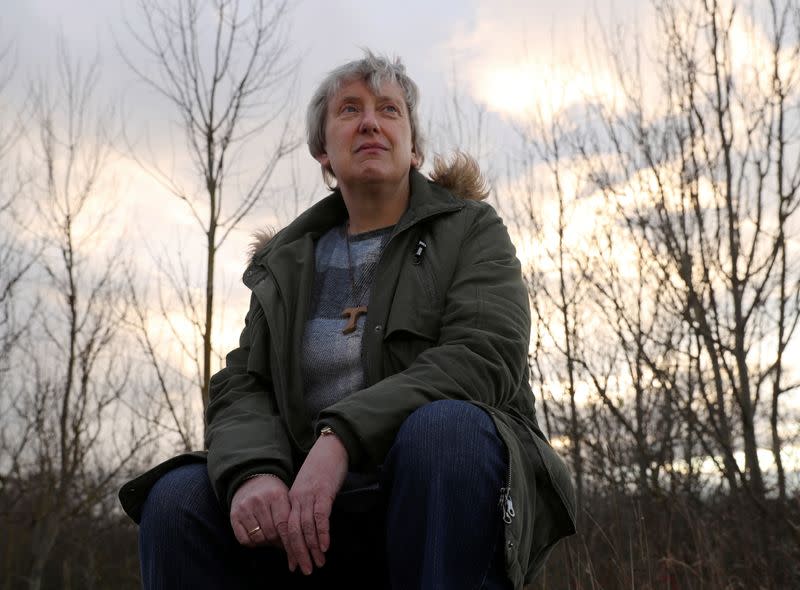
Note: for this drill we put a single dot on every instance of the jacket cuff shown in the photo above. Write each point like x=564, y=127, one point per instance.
x=350, y=441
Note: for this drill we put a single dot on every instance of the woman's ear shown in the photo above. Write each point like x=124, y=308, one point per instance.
x=324, y=160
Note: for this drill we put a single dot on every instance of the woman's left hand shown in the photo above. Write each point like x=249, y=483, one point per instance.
x=311, y=496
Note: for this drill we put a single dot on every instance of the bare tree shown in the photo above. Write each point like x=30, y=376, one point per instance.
x=785, y=60
x=71, y=389
x=16, y=259
x=716, y=175
x=227, y=73
x=554, y=278
x=675, y=312
x=175, y=416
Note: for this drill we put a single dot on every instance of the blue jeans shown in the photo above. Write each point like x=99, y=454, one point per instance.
x=432, y=522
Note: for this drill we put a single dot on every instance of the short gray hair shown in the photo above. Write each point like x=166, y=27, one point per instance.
x=375, y=70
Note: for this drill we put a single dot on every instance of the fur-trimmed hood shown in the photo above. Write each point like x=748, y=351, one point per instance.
x=460, y=175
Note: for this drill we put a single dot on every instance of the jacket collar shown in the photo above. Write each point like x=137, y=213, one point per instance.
x=427, y=200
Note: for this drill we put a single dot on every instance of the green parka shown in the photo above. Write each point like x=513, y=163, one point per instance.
x=449, y=322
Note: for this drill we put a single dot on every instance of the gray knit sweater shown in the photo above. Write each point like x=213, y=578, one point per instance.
x=332, y=362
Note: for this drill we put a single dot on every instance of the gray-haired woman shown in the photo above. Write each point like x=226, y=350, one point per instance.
x=375, y=427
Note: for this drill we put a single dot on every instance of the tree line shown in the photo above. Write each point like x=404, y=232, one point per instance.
x=659, y=235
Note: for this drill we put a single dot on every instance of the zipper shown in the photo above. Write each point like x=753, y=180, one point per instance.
x=506, y=502
x=423, y=270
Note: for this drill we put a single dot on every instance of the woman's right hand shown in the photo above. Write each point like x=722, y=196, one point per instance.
x=261, y=501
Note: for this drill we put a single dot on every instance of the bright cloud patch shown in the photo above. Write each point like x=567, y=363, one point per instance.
x=518, y=63
x=524, y=89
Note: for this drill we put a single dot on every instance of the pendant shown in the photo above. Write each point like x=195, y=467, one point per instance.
x=352, y=313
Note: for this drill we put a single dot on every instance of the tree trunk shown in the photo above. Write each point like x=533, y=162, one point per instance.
x=752, y=465
x=776, y=384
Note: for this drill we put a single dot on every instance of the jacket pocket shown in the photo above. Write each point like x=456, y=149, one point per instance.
x=427, y=280
x=410, y=330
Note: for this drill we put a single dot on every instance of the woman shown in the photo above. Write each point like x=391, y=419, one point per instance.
x=376, y=425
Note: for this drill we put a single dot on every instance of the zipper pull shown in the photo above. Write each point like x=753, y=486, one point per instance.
x=507, y=505
x=419, y=250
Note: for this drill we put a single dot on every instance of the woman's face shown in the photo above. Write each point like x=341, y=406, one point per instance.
x=368, y=137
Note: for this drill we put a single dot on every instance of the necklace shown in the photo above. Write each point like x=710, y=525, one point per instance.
x=351, y=313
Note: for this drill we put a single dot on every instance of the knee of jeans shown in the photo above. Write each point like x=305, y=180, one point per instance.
x=178, y=496
x=446, y=433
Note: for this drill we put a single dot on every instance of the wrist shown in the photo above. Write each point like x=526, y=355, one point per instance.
x=255, y=475
x=327, y=435
x=351, y=442
x=326, y=431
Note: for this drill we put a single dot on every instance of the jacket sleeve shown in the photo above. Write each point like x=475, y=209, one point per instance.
x=481, y=354
x=244, y=433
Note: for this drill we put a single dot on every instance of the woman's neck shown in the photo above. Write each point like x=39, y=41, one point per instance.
x=376, y=206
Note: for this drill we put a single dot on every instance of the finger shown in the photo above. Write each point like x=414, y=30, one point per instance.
x=297, y=541
x=256, y=534
x=280, y=510
x=271, y=535
x=283, y=530
x=322, y=514
x=263, y=515
x=247, y=531
x=240, y=532
x=309, y=526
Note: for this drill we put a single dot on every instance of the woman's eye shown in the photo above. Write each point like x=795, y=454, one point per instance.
x=391, y=108
x=349, y=108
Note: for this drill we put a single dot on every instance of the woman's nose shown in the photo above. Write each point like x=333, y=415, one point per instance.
x=369, y=122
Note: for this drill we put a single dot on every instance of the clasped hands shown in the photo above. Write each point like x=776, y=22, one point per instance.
x=296, y=519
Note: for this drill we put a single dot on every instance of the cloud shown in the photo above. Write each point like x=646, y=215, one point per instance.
x=529, y=58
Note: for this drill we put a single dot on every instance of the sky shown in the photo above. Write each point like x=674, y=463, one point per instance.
x=500, y=54
x=486, y=43
x=429, y=36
